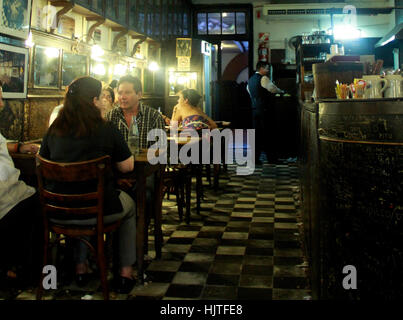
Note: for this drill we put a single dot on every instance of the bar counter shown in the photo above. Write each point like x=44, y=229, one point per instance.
x=352, y=196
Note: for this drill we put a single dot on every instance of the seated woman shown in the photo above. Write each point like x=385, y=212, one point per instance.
x=108, y=100
x=188, y=114
x=79, y=133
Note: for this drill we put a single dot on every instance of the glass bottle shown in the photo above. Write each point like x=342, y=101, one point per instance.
x=134, y=137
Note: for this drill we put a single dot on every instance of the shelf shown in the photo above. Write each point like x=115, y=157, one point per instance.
x=314, y=45
x=313, y=61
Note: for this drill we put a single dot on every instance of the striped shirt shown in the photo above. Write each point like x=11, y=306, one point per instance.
x=147, y=119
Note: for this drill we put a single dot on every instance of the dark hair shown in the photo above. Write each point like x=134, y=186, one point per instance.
x=112, y=93
x=192, y=95
x=261, y=64
x=178, y=88
x=113, y=84
x=136, y=82
x=79, y=116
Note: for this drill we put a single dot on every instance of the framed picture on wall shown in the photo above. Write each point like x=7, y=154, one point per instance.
x=13, y=71
x=15, y=17
x=183, y=47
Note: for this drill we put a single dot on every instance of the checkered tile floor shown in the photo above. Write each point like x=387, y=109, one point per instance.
x=246, y=244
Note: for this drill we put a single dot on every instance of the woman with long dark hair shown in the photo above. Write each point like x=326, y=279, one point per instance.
x=79, y=133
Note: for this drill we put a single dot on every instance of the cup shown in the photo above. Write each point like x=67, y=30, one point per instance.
x=357, y=90
x=376, y=86
x=395, y=88
x=342, y=91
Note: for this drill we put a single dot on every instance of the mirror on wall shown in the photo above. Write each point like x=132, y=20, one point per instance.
x=46, y=67
x=73, y=66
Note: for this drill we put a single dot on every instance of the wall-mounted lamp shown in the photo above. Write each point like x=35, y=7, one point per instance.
x=29, y=43
x=52, y=52
x=119, y=70
x=153, y=66
x=96, y=52
x=99, y=69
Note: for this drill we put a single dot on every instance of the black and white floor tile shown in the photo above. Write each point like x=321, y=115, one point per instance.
x=245, y=244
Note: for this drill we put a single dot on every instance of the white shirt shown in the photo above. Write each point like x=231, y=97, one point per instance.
x=54, y=113
x=12, y=190
x=266, y=83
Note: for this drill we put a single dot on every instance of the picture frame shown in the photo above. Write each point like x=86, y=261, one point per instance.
x=14, y=71
x=15, y=16
x=183, y=47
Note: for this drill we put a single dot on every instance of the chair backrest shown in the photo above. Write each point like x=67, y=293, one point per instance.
x=92, y=171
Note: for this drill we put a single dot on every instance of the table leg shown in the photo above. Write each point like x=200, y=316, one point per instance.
x=188, y=183
x=158, y=211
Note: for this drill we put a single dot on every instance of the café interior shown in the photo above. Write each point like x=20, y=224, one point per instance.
x=303, y=228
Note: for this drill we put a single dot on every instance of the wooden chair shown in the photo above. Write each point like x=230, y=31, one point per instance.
x=54, y=205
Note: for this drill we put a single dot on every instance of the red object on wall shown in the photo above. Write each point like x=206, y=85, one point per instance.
x=263, y=52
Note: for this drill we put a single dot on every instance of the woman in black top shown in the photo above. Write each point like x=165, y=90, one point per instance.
x=79, y=133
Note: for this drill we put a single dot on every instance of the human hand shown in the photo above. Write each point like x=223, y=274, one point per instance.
x=29, y=148
x=125, y=183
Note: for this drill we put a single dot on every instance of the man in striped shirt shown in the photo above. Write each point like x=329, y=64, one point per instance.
x=129, y=95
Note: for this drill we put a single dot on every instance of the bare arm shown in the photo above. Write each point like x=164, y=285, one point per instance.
x=126, y=165
x=176, y=117
x=15, y=147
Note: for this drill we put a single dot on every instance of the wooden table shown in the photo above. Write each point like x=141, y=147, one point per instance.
x=25, y=162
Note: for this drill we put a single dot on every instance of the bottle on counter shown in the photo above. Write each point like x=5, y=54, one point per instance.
x=133, y=140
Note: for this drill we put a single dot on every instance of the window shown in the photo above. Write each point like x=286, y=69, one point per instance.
x=185, y=23
x=217, y=23
x=240, y=23
x=201, y=23
x=214, y=23
x=228, y=23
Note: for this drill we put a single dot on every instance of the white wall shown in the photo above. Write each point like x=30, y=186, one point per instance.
x=286, y=27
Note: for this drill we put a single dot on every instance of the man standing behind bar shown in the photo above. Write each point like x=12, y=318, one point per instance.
x=262, y=91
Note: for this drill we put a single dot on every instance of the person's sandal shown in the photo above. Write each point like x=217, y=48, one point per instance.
x=124, y=285
x=82, y=279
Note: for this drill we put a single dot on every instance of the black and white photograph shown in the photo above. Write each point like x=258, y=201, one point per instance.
x=183, y=47
x=13, y=71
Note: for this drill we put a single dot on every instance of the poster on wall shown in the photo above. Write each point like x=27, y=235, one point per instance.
x=13, y=71
x=183, y=63
x=183, y=47
x=15, y=17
